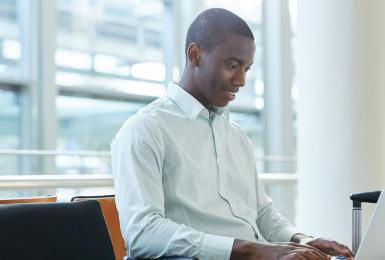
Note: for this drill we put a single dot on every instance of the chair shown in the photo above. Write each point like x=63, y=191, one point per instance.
x=107, y=203
x=37, y=199
x=54, y=231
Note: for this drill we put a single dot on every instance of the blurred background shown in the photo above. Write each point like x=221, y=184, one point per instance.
x=71, y=72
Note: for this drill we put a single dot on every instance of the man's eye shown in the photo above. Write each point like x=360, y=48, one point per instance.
x=231, y=66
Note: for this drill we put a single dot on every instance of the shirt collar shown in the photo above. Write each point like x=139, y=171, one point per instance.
x=190, y=106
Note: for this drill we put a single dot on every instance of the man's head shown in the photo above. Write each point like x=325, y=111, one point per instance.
x=219, y=51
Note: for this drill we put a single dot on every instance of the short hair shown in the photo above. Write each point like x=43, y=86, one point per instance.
x=211, y=27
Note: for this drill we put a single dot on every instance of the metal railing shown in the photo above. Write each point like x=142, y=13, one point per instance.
x=14, y=182
x=53, y=152
x=267, y=158
x=34, y=181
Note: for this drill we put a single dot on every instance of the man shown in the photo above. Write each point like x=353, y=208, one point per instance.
x=185, y=175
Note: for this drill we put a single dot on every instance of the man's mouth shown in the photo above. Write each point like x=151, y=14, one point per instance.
x=232, y=90
x=231, y=93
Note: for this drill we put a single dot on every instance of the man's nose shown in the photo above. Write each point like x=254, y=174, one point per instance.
x=239, y=79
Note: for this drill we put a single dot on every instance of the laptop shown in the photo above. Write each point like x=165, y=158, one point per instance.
x=372, y=245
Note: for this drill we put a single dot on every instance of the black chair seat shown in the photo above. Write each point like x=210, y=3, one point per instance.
x=54, y=231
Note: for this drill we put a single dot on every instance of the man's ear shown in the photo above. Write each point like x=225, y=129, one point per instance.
x=194, y=54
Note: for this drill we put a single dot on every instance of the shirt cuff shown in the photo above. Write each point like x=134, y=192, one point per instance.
x=286, y=234
x=215, y=247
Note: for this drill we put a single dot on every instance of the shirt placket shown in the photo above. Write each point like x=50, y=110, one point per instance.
x=223, y=179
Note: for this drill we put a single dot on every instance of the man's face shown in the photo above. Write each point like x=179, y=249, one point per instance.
x=222, y=70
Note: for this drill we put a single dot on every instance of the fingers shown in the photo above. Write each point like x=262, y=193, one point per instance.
x=303, y=254
x=297, y=245
x=331, y=247
x=341, y=249
x=301, y=251
x=294, y=245
x=335, y=248
x=310, y=254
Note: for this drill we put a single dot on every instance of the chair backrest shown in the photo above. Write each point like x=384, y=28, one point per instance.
x=36, y=199
x=107, y=203
x=54, y=231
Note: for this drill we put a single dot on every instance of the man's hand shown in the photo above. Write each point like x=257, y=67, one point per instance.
x=330, y=247
x=327, y=246
x=243, y=250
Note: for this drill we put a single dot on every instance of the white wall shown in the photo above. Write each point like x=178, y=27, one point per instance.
x=341, y=113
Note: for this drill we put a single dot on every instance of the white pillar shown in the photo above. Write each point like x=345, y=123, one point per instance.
x=341, y=112
x=168, y=40
x=40, y=46
x=278, y=111
x=39, y=120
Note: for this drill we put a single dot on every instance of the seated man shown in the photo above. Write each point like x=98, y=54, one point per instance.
x=185, y=175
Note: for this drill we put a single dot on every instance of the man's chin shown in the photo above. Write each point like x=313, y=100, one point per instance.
x=221, y=103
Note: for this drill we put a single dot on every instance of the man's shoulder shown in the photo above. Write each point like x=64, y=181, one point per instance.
x=136, y=129
x=150, y=118
x=158, y=109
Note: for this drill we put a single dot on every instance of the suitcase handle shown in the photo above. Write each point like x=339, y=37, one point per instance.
x=358, y=198
x=369, y=197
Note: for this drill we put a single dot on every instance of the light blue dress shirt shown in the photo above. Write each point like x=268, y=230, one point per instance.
x=186, y=182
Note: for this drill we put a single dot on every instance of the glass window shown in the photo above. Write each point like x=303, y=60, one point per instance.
x=89, y=124
x=108, y=49
x=111, y=44
x=10, y=46
x=9, y=130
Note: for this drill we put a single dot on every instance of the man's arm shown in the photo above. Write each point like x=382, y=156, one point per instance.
x=137, y=161
x=275, y=228
x=272, y=225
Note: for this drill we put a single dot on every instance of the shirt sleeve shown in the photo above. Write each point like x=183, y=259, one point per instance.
x=137, y=153
x=272, y=225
